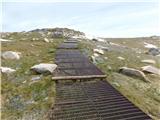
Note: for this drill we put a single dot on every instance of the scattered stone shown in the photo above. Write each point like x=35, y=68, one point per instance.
x=116, y=84
x=24, y=81
x=44, y=68
x=46, y=98
x=121, y=58
x=94, y=39
x=49, y=33
x=93, y=59
x=133, y=72
x=11, y=55
x=96, y=55
x=151, y=69
x=32, y=45
x=103, y=48
x=99, y=51
x=109, y=67
x=5, y=40
x=148, y=61
x=106, y=58
x=98, y=39
x=154, y=51
x=33, y=39
x=35, y=78
x=46, y=40
x=7, y=70
x=97, y=59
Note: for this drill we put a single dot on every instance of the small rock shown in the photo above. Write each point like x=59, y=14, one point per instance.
x=96, y=55
x=99, y=51
x=24, y=81
x=44, y=68
x=46, y=98
x=109, y=67
x=103, y=48
x=116, y=84
x=133, y=72
x=46, y=40
x=5, y=40
x=7, y=70
x=121, y=58
x=36, y=78
x=93, y=59
x=151, y=69
x=11, y=55
x=106, y=58
x=33, y=39
x=148, y=61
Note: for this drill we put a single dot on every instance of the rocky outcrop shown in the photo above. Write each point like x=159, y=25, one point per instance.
x=44, y=68
x=133, y=73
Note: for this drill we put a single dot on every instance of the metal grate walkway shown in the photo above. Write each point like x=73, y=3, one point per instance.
x=96, y=100
x=89, y=100
x=72, y=64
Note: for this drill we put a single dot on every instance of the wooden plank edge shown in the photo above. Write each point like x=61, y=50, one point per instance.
x=78, y=77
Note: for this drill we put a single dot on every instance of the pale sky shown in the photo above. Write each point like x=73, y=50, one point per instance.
x=105, y=19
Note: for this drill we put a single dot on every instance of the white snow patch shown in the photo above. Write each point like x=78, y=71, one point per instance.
x=148, y=45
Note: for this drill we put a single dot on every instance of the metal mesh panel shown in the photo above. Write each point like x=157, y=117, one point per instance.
x=71, y=62
x=93, y=101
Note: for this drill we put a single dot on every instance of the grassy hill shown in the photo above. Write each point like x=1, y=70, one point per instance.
x=25, y=98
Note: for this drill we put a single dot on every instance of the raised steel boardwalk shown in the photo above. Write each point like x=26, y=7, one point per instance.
x=88, y=100
x=72, y=64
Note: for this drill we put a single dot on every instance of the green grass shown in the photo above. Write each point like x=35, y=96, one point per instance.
x=22, y=97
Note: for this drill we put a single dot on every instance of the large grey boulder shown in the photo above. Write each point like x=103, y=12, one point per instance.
x=154, y=51
x=44, y=68
x=7, y=70
x=11, y=55
x=133, y=73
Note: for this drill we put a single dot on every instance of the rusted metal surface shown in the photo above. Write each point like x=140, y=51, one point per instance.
x=93, y=101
